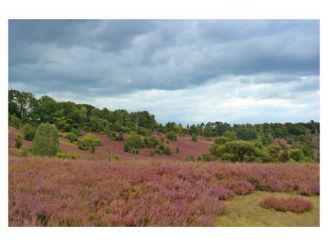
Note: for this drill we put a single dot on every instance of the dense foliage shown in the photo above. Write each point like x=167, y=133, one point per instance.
x=267, y=142
x=46, y=140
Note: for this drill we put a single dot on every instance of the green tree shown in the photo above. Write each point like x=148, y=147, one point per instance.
x=194, y=137
x=46, y=140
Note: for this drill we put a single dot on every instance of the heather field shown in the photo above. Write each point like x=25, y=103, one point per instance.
x=55, y=192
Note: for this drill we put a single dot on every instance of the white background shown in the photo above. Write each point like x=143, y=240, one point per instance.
x=164, y=9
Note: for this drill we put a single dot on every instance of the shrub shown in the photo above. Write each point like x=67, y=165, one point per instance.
x=18, y=141
x=296, y=154
x=28, y=132
x=284, y=156
x=23, y=152
x=240, y=151
x=72, y=137
x=230, y=135
x=88, y=142
x=177, y=150
x=167, y=151
x=116, y=136
x=293, y=204
x=150, y=141
x=221, y=140
x=171, y=136
x=206, y=157
x=191, y=158
x=46, y=140
x=14, y=121
x=133, y=143
x=63, y=155
x=246, y=133
x=194, y=137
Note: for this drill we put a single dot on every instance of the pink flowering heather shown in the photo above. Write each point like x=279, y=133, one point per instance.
x=53, y=192
x=293, y=204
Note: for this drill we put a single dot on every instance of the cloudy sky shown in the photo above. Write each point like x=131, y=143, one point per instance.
x=188, y=71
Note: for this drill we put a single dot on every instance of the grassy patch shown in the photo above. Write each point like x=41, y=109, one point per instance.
x=246, y=211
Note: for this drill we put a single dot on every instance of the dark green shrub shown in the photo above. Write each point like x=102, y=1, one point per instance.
x=167, y=151
x=284, y=156
x=194, y=137
x=46, y=140
x=14, y=121
x=171, y=136
x=206, y=157
x=221, y=140
x=150, y=141
x=18, y=141
x=28, y=132
x=133, y=143
x=191, y=158
x=246, y=133
x=296, y=154
x=177, y=150
x=72, y=137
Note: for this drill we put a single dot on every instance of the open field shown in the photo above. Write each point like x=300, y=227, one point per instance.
x=54, y=192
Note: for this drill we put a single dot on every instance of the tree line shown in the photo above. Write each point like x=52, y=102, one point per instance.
x=256, y=141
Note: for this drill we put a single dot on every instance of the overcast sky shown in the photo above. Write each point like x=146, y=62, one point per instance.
x=188, y=71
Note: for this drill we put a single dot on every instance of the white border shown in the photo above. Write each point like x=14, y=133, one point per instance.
x=205, y=9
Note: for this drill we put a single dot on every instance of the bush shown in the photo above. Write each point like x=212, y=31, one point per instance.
x=246, y=133
x=133, y=143
x=221, y=140
x=296, y=154
x=240, y=151
x=114, y=158
x=167, y=151
x=194, y=137
x=89, y=142
x=46, y=140
x=191, y=158
x=171, y=136
x=206, y=157
x=72, y=137
x=28, y=132
x=116, y=136
x=230, y=135
x=14, y=121
x=18, y=141
x=63, y=155
x=150, y=141
x=284, y=156
x=293, y=204
x=177, y=150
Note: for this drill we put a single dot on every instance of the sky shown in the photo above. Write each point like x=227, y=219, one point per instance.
x=187, y=71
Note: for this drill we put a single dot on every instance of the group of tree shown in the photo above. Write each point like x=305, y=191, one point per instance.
x=237, y=142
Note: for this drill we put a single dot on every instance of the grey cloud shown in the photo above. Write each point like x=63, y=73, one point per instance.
x=110, y=58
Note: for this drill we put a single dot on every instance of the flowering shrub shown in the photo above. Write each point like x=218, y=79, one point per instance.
x=293, y=204
x=55, y=192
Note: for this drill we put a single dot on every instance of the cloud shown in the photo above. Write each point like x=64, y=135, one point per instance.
x=212, y=67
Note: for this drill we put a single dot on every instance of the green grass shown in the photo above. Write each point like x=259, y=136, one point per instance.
x=246, y=211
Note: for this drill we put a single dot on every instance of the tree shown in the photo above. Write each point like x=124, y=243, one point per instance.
x=46, y=140
x=194, y=137
x=246, y=133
